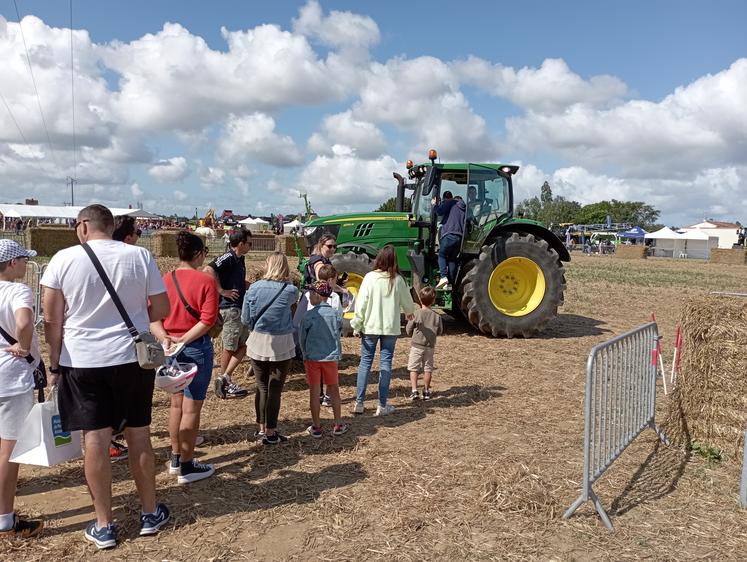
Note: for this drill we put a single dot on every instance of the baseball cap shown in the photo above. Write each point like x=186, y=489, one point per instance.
x=322, y=288
x=10, y=249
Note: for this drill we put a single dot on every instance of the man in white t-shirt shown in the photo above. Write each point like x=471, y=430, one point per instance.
x=19, y=356
x=102, y=388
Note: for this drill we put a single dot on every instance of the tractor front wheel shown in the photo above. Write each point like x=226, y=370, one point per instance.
x=356, y=266
x=514, y=288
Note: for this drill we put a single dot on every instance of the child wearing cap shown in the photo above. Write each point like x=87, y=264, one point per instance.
x=19, y=356
x=319, y=336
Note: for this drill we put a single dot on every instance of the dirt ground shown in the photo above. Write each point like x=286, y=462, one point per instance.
x=483, y=471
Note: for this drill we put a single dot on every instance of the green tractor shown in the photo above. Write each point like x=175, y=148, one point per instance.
x=511, y=278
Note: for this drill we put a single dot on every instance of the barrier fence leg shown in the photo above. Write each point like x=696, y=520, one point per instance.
x=600, y=510
x=574, y=506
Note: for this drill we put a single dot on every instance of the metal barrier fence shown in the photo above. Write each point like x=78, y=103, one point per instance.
x=217, y=246
x=32, y=278
x=620, y=403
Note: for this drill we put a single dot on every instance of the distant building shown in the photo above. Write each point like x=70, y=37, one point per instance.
x=32, y=202
x=725, y=231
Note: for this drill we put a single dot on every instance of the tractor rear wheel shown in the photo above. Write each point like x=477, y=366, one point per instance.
x=356, y=266
x=514, y=288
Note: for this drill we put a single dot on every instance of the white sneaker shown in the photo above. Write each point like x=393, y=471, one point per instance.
x=442, y=283
x=384, y=410
x=358, y=408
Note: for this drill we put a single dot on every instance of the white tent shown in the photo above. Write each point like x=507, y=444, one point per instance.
x=666, y=243
x=51, y=211
x=287, y=227
x=698, y=244
x=247, y=220
x=255, y=225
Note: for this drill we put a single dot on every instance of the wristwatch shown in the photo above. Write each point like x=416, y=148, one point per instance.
x=55, y=370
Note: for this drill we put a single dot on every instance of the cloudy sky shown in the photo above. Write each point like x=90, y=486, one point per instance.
x=185, y=104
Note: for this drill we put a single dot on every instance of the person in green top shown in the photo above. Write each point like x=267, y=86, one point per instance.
x=382, y=295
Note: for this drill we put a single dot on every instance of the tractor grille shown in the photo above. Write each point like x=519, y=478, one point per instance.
x=363, y=229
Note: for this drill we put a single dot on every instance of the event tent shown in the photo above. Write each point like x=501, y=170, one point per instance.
x=698, y=244
x=287, y=227
x=51, y=211
x=666, y=243
x=635, y=232
x=255, y=224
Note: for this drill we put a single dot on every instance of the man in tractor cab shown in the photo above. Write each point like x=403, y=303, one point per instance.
x=453, y=212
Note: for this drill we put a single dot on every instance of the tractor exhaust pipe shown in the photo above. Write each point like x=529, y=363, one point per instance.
x=399, y=205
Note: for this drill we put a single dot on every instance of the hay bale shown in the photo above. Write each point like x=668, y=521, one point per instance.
x=289, y=246
x=731, y=256
x=164, y=243
x=47, y=241
x=708, y=405
x=633, y=252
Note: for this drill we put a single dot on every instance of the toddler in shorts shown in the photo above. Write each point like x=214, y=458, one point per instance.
x=319, y=336
x=425, y=326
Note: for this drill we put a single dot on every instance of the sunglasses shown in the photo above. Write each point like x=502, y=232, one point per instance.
x=78, y=223
x=331, y=246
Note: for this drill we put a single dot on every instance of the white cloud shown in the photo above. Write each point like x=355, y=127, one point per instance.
x=253, y=137
x=211, y=177
x=703, y=124
x=338, y=29
x=344, y=180
x=551, y=88
x=169, y=171
x=180, y=195
x=343, y=129
x=136, y=191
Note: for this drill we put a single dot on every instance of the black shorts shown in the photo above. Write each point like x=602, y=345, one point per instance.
x=117, y=397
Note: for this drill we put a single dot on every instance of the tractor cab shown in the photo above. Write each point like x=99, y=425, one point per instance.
x=487, y=192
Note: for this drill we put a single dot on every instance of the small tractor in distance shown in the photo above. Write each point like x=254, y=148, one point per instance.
x=510, y=280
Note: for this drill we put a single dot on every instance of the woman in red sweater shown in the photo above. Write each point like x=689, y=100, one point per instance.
x=189, y=325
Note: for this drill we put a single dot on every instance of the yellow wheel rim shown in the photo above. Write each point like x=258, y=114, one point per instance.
x=353, y=285
x=516, y=286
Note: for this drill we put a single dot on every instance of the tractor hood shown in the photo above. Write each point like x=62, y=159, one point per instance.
x=354, y=218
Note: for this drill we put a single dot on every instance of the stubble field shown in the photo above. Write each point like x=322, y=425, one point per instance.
x=482, y=471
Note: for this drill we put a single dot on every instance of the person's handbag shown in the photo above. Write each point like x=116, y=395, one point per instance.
x=150, y=354
x=253, y=321
x=44, y=443
x=40, y=372
x=216, y=328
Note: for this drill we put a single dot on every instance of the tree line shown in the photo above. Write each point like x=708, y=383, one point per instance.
x=555, y=210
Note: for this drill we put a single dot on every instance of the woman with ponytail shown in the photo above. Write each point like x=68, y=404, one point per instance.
x=193, y=295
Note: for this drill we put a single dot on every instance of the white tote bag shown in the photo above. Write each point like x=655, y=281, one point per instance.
x=44, y=443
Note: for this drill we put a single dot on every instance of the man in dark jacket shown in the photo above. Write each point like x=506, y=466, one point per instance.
x=453, y=211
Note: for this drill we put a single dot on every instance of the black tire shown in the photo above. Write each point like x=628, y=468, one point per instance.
x=355, y=265
x=476, y=303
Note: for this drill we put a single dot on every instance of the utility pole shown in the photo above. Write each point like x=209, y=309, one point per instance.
x=72, y=182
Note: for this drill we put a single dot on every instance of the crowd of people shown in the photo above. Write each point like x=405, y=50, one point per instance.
x=104, y=298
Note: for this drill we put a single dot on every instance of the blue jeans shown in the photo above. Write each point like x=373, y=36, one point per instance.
x=199, y=352
x=448, y=252
x=368, y=350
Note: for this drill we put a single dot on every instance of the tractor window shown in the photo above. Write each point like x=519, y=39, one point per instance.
x=487, y=196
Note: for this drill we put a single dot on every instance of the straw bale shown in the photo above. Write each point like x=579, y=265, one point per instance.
x=636, y=252
x=731, y=256
x=289, y=246
x=708, y=403
x=48, y=241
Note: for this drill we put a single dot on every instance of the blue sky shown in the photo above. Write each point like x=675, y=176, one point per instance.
x=627, y=100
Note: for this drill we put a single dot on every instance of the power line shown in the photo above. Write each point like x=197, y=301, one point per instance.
x=33, y=81
x=72, y=92
x=20, y=131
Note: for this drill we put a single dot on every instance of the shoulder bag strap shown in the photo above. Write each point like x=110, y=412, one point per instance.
x=112, y=293
x=12, y=341
x=191, y=310
x=269, y=304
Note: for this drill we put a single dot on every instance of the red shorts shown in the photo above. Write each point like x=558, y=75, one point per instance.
x=321, y=371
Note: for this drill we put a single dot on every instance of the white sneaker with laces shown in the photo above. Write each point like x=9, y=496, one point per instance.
x=442, y=283
x=384, y=410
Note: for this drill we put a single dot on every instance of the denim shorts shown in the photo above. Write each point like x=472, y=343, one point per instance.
x=199, y=352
